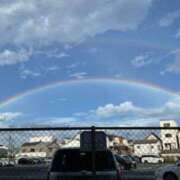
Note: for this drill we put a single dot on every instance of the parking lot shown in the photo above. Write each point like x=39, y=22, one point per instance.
x=39, y=173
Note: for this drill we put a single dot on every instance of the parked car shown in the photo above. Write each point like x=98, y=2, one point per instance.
x=136, y=158
x=48, y=160
x=39, y=161
x=125, y=163
x=26, y=161
x=74, y=164
x=7, y=163
x=152, y=159
x=131, y=160
x=171, y=172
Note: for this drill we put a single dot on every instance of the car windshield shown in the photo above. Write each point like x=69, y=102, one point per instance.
x=75, y=161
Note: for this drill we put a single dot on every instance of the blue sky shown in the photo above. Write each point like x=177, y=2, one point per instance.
x=47, y=41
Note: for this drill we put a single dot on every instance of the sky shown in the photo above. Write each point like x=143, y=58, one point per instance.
x=132, y=43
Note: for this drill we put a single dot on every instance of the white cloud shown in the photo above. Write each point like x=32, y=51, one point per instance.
x=174, y=65
x=28, y=73
x=5, y=116
x=52, y=68
x=72, y=66
x=141, y=61
x=40, y=23
x=9, y=57
x=170, y=109
x=58, y=55
x=78, y=75
x=169, y=18
x=52, y=53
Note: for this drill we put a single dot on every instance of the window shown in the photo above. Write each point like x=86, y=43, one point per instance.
x=138, y=147
x=23, y=150
x=51, y=149
x=152, y=147
x=167, y=125
x=32, y=150
x=159, y=147
x=168, y=135
x=40, y=150
x=168, y=146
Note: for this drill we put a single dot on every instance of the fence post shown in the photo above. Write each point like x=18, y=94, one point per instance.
x=93, y=138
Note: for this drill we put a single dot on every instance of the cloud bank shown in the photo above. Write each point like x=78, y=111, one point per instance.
x=41, y=22
x=170, y=109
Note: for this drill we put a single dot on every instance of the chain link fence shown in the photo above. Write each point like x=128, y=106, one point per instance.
x=134, y=148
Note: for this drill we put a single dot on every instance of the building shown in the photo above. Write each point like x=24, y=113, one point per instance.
x=3, y=151
x=42, y=139
x=170, y=138
x=73, y=142
x=39, y=147
x=150, y=145
x=118, y=144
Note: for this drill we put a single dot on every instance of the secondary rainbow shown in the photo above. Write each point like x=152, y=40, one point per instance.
x=58, y=83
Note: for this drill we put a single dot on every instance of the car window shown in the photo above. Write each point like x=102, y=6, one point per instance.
x=66, y=161
x=150, y=156
x=178, y=164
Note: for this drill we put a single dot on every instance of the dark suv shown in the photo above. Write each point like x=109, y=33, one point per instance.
x=77, y=165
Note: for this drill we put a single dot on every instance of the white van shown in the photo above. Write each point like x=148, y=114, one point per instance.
x=152, y=159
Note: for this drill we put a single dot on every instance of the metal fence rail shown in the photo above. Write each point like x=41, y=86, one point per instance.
x=147, y=147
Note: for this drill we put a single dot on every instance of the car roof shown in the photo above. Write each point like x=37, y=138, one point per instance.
x=77, y=149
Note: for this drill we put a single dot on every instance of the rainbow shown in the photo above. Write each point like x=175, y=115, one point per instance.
x=57, y=83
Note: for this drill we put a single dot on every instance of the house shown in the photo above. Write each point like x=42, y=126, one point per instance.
x=3, y=151
x=73, y=142
x=170, y=138
x=150, y=145
x=118, y=144
x=39, y=147
x=42, y=139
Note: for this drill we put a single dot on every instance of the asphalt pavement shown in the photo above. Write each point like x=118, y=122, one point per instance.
x=138, y=174
x=40, y=173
